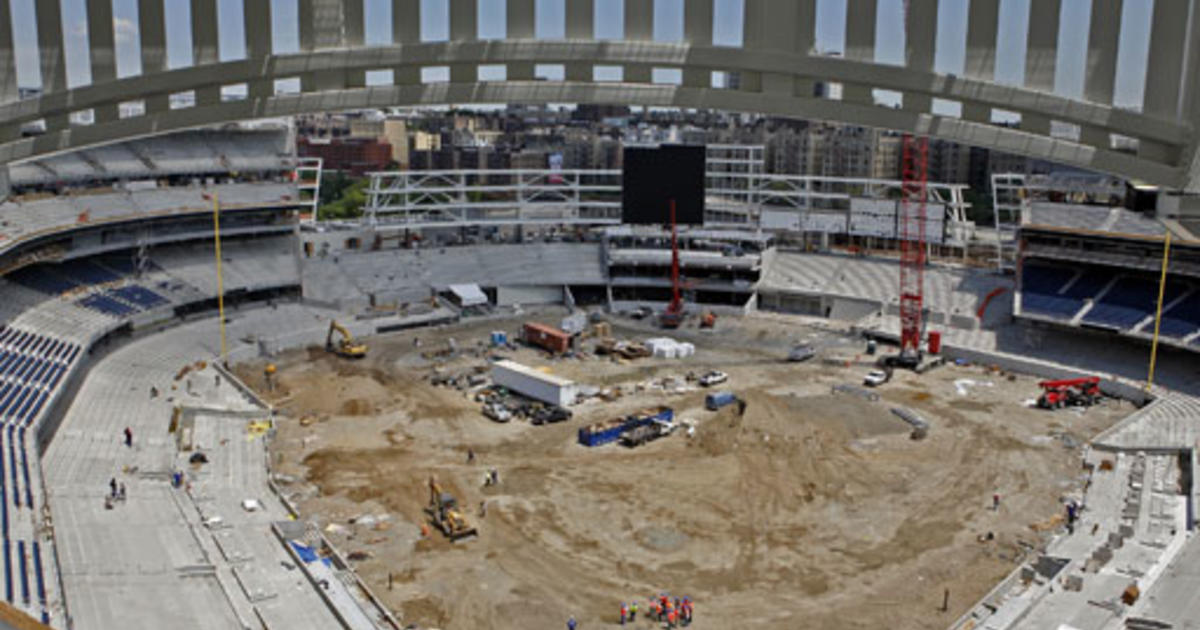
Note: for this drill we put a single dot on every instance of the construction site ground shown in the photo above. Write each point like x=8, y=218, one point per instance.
x=814, y=510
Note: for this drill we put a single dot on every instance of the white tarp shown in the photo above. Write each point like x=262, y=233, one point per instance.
x=780, y=220
x=468, y=294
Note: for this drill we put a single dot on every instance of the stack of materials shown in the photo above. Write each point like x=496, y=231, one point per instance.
x=667, y=348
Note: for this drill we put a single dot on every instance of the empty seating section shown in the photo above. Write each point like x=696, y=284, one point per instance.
x=32, y=369
x=1040, y=287
x=1129, y=301
x=138, y=296
x=184, y=153
x=1067, y=304
x=39, y=278
x=1183, y=318
x=107, y=305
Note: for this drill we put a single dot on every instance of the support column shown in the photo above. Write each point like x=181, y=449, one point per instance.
x=639, y=26
x=102, y=56
x=920, y=44
x=1041, y=56
x=204, y=46
x=580, y=26
x=52, y=58
x=1103, y=35
x=8, y=60
x=256, y=17
x=1164, y=66
x=520, y=16
x=406, y=29
x=860, y=44
x=982, y=24
x=464, y=27
x=698, y=31
x=50, y=46
x=153, y=35
x=639, y=20
x=770, y=25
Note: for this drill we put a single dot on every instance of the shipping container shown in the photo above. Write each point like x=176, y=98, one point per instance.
x=533, y=384
x=547, y=337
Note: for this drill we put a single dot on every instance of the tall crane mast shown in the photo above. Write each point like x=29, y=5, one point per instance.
x=914, y=179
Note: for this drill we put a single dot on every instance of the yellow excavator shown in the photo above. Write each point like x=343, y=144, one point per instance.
x=346, y=347
x=443, y=512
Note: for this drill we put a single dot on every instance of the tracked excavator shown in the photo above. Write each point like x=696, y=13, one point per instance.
x=444, y=514
x=345, y=347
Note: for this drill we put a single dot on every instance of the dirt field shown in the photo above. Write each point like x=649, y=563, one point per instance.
x=814, y=510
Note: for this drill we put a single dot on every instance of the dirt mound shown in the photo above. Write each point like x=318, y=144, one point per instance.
x=357, y=407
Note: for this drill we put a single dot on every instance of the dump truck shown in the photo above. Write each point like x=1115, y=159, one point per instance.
x=646, y=433
x=345, y=347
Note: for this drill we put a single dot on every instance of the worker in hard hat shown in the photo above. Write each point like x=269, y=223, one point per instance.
x=624, y=612
x=633, y=611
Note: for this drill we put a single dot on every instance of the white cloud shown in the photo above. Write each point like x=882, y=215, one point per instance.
x=124, y=30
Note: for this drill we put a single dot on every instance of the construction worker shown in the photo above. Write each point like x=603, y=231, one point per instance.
x=671, y=617
x=571, y=623
x=633, y=611
x=624, y=612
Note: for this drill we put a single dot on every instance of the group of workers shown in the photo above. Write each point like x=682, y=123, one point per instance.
x=674, y=612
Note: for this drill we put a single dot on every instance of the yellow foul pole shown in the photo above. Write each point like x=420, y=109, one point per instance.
x=1162, y=286
x=220, y=282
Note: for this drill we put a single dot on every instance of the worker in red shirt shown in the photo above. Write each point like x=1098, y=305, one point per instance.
x=624, y=613
x=671, y=617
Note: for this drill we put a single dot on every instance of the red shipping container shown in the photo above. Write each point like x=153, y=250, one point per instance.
x=547, y=337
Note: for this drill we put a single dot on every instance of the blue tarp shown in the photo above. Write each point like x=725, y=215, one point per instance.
x=306, y=553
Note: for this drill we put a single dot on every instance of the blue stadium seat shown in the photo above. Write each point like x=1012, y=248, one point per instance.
x=139, y=296
x=23, y=568
x=37, y=407
x=12, y=467
x=1182, y=319
x=37, y=572
x=86, y=272
x=8, y=576
x=41, y=278
x=107, y=305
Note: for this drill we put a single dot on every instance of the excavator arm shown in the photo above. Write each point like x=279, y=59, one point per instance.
x=345, y=346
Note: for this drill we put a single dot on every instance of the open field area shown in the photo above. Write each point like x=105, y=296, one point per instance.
x=813, y=510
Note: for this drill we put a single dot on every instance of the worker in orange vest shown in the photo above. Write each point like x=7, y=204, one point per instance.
x=671, y=617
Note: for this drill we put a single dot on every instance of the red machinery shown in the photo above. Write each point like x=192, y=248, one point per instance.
x=673, y=316
x=1074, y=392
x=912, y=248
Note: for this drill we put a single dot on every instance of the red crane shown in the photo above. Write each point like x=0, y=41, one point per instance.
x=673, y=316
x=914, y=178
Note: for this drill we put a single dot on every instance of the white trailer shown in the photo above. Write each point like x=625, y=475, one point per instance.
x=534, y=384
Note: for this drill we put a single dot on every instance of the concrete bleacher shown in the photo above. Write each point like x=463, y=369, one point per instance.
x=195, y=152
x=22, y=219
x=409, y=275
x=150, y=561
x=951, y=294
x=249, y=265
x=1116, y=219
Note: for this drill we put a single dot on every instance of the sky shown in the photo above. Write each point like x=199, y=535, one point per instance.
x=668, y=16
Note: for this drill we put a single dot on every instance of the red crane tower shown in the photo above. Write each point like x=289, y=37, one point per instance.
x=673, y=316
x=914, y=178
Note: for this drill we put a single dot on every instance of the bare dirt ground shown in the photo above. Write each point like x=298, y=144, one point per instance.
x=814, y=510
